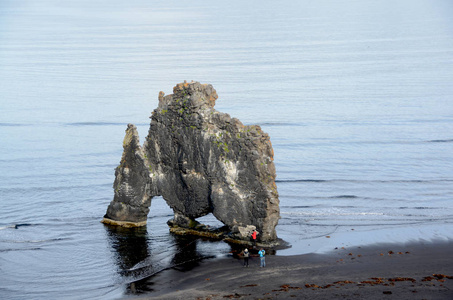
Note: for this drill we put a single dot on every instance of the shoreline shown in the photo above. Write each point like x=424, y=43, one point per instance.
x=421, y=270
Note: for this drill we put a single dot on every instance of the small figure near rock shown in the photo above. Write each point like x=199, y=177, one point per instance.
x=254, y=234
x=262, y=254
x=246, y=255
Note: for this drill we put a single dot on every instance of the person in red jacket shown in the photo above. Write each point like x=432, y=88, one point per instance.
x=254, y=233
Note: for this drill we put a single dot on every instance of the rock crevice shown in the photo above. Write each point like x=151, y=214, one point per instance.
x=200, y=161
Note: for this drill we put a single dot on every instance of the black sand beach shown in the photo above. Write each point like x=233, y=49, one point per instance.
x=422, y=270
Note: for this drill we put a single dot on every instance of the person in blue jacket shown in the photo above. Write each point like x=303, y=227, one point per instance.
x=262, y=254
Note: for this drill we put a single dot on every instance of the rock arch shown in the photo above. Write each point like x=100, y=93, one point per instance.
x=200, y=161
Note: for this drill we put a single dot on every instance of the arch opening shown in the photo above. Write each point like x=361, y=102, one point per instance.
x=210, y=221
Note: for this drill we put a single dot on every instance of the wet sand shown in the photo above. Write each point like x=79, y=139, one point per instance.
x=422, y=270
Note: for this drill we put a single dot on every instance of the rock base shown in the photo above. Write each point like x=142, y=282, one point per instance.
x=215, y=235
x=124, y=224
x=219, y=234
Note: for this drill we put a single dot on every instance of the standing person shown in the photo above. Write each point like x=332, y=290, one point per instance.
x=262, y=254
x=246, y=255
x=254, y=233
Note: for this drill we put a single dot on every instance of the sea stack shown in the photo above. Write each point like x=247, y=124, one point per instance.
x=200, y=161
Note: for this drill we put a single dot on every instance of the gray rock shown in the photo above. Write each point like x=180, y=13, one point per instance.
x=200, y=161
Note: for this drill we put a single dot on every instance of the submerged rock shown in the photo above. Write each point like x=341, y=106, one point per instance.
x=200, y=161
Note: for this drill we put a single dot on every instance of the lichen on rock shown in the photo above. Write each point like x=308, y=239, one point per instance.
x=200, y=161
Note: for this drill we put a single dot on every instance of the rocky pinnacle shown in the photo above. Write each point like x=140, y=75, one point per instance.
x=200, y=161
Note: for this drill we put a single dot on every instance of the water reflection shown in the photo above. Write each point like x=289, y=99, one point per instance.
x=132, y=256
x=137, y=261
x=186, y=255
x=129, y=244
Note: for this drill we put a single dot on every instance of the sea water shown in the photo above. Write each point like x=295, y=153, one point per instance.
x=357, y=97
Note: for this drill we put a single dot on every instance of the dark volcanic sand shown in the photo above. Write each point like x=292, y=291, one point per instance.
x=378, y=272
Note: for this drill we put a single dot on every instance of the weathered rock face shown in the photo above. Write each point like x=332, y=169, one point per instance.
x=201, y=161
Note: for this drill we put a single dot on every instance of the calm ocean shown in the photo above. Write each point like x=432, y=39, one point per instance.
x=357, y=97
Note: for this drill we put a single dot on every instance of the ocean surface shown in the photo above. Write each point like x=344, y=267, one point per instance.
x=357, y=97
